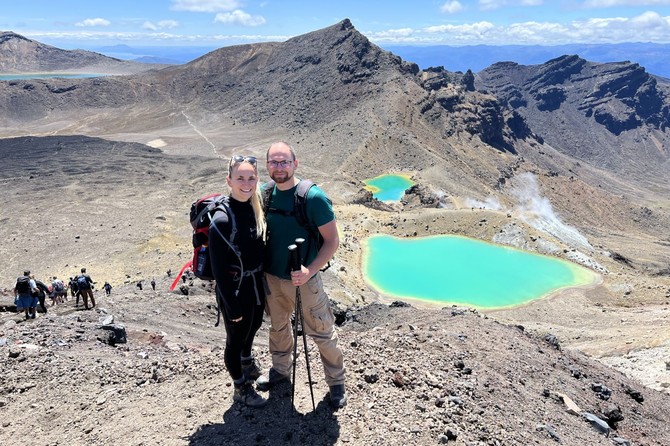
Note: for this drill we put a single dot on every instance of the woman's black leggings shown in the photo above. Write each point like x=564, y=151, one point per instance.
x=240, y=336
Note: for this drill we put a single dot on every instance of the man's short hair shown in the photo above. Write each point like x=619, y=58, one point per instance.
x=83, y=270
x=26, y=272
x=290, y=148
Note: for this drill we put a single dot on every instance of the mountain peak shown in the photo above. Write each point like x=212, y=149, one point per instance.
x=6, y=36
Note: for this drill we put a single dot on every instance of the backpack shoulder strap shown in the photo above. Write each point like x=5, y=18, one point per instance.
x=223, y=204
x=267, y=195
x=300, y=205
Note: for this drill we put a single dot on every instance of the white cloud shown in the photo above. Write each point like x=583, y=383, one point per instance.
x=400, y=32
x=451, y=7
x=94, y=22
x=205, y=5
x=646, y=27
x=239, y=17
x=155, y=37
x=610, y=3
x=163, y=24
x=651, y=19
x=490, y=5
x=471, y=28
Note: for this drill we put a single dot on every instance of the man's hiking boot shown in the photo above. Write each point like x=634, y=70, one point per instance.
x=338, y=398
x=246, y=395
x=251, y=370
x=273, y=378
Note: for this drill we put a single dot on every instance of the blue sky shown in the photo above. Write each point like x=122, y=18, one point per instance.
x=89, y=23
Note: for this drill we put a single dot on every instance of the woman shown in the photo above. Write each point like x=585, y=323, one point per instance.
x=237, y=258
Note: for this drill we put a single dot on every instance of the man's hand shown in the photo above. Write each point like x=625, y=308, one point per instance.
x=299, y=278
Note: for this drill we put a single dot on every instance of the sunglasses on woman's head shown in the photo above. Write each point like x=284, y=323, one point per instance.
x=237, y=159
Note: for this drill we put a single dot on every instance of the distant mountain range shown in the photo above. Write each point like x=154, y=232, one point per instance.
x=172, y=55
x=19, y=54
x=655, y=58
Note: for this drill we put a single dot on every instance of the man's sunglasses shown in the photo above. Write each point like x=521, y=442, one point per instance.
x=281, y=164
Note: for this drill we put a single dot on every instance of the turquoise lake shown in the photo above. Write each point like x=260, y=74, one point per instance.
x=464, y=271
x=388, y=187
x=11, y=77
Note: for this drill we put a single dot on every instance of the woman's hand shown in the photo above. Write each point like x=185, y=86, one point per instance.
x=236, y=320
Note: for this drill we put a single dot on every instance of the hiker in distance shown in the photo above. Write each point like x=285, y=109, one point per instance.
x=42, y=292
x=284, y=226
x=236, y=252
x=23, y=294
x=85, y=287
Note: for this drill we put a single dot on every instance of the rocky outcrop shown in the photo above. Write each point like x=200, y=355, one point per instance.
x=476, y=113
x=640, y=102
x=611, y=114
x=619, y=96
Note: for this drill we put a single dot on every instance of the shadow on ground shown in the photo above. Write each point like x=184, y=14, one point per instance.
x=276, y=423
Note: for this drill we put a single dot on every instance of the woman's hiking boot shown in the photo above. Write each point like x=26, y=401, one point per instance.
x=246, y=395
x=251, y=370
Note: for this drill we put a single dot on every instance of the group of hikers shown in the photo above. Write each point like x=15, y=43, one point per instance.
x=253, y=273
x=29, y=292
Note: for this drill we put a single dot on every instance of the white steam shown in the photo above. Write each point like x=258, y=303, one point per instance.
x=491, y=203
x=537, y=211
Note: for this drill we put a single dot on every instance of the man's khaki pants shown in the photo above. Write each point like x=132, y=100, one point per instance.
x=319, y=324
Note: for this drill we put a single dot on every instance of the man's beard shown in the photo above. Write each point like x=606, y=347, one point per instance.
x=285, y=176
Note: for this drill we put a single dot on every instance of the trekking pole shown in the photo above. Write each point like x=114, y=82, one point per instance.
x=294, y=256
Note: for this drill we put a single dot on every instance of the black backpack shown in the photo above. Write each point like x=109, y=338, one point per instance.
x=23, y=285
x=299, y=211
x=82, y=283
x=201, y=215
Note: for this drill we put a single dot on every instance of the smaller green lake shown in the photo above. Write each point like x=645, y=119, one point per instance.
x=388, y=187
x=464, y=271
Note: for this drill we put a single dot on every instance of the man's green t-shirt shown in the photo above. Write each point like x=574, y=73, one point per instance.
x=284, y=229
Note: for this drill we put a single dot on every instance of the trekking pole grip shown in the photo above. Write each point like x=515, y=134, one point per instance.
x=299, y=242
x=294, y=257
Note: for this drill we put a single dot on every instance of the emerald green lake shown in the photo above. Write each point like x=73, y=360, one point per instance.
x=459, y=270
x=388, y=187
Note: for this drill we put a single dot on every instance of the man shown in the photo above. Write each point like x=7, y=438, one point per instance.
x=283, y=229
x=108, y=288
x=85, y=286
x=42, y=293
x=23, y=294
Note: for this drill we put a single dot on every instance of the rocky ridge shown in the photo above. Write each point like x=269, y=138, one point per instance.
x=580, y=108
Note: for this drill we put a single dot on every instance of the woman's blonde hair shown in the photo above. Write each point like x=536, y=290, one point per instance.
x=256, y=198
